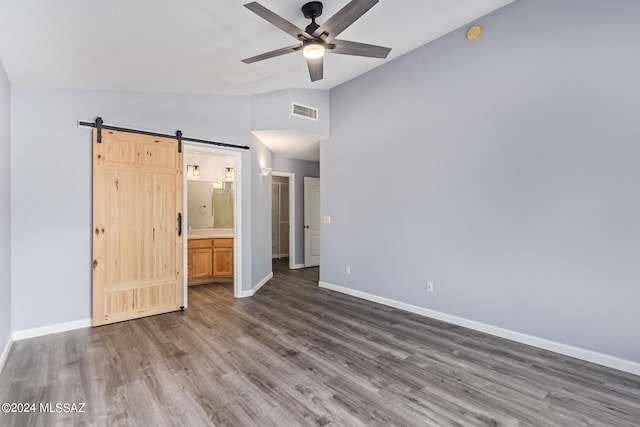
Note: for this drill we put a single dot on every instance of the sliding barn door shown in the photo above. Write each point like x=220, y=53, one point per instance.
x=137, y=205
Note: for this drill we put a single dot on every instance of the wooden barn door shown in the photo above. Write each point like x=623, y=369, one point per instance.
x=137, y=211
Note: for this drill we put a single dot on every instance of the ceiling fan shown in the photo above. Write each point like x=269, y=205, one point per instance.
x=316, y=39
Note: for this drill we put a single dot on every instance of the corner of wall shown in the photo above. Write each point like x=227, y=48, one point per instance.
x=5, y=352
x=6, y=304
x=261, y=156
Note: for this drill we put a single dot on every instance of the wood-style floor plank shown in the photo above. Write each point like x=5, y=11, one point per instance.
x=298, y=355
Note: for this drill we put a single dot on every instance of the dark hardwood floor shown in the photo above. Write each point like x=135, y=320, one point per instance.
x=295, y=355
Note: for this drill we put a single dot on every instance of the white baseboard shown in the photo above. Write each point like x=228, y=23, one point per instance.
x=567, y=350
x=280, y=256
x=255, y=289
x=296, y=266
x=51, y=329
x=5, y=352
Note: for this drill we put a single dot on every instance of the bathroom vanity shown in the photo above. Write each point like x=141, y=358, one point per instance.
x=209, y=255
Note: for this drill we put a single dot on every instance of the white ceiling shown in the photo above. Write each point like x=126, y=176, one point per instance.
x=195, y=46
x=291, y=144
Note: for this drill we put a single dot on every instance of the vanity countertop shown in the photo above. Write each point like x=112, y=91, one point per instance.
x=211, y=233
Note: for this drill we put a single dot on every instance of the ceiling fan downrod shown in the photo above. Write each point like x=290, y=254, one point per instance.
x=312, y=10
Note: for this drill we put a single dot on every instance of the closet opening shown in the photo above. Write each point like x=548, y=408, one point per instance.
x=283, y=218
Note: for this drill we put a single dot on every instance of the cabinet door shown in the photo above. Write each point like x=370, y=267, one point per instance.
x=201, y=263
x=223, y=262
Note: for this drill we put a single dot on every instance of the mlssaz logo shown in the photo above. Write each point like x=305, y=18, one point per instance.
x=63, y=408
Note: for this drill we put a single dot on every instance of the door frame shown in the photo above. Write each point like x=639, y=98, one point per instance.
x=292, y=217
x=237, y=212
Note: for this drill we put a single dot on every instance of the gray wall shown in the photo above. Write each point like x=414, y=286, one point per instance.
x=5, y=210
x=311, y=98
x=51, y=185
x=300, y=168
x=260, y=211
x=272, y=111
x=505, y=171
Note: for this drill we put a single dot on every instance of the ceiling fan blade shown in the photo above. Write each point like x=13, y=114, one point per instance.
x=315, y=68
x=272, y=54
x=343, y=18
x=277, y=20
x=345, y=47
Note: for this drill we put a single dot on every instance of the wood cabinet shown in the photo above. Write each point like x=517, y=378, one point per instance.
x=208, y=259
x=223, y=257
x=200, y=262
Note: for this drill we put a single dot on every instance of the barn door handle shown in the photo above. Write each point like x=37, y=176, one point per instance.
x=179, y=224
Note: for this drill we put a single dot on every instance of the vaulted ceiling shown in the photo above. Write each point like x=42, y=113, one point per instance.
x=195, y=46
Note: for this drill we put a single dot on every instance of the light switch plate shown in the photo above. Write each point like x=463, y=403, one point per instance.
x=326, y=219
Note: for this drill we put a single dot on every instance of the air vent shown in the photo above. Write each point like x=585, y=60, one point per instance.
x=304, y=111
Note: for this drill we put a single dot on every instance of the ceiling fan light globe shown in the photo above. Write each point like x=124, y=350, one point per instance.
x=313, y=51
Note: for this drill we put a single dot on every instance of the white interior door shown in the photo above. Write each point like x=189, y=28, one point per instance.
x=311, y=222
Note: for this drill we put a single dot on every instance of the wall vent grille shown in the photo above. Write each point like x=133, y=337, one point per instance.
x=304, y=111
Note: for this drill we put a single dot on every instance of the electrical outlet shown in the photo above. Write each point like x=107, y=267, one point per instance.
x=347, y=269
x=429, y=286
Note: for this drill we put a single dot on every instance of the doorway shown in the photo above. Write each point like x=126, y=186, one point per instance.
x=213, y=226
x=283, y=215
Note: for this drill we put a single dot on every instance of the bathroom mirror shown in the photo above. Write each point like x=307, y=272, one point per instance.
x=209, y=204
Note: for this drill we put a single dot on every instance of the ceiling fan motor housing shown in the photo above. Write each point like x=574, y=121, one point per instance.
x=312, y=10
